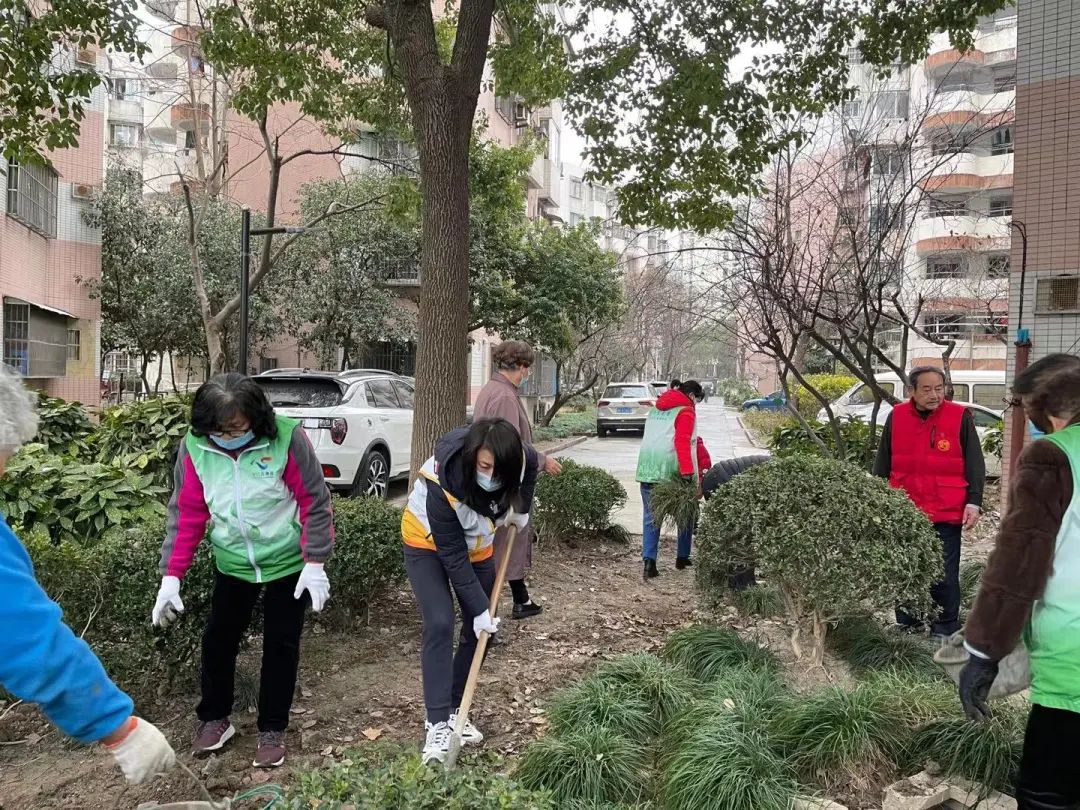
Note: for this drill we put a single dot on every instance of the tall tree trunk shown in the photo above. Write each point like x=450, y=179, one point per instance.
x=157, y=380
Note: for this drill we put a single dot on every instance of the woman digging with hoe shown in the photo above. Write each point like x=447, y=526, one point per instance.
x=480, y=478
x=253, y=479
x=41, y=660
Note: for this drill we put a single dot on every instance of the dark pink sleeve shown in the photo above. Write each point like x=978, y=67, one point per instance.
x=188, y=518
x=303, y=476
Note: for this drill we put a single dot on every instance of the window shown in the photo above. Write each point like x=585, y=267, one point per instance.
x=853, y=108
x=945, y=324
x=891, y=104
x=998, y=267
x=404, y=394
x=74, y=344
x=854, y=55
x=383, y=393
x=1002, y=142
x=948, y=146
x=985, y=419
x=267, y=364
x=864, y=394
x=884, y=217
x=123, y=89
x=575, y=219
x=125, y=135
x=1005, y=83
x=944, y=268
x=575, y=188
x=196, y=64
x=946, y=208
x=960, y=392
x=32, y=196
x=888, y=163
x=989, y=395
x=1057, y=295
x=17, y=336
x=626, y=392
x=846, y=215
x=1001, y=207
x=189, y=139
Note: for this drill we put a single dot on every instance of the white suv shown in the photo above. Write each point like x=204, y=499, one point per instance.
x=360, y=425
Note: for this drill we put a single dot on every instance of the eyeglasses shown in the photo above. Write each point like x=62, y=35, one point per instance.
x=231, y=433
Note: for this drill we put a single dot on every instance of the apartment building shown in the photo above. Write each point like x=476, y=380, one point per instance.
x=1044, y=296
x=51, y=325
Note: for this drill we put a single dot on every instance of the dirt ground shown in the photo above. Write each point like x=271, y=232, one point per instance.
x=366, y=684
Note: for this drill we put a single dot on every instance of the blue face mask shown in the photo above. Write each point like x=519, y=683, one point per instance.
x=232, y=444
x=488, y=483
x=1033, y=431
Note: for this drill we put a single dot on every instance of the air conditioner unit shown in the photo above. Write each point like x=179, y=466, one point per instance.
x=1058, y=295
x=82, y=191
x=521, y=114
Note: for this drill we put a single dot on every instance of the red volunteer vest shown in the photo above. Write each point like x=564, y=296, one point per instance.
x=928, y=461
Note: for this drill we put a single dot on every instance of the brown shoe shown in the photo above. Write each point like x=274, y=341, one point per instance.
x=212, y=736
x=271, y=751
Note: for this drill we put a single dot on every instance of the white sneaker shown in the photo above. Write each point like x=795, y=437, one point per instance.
x=437, y=745
x=471, y=735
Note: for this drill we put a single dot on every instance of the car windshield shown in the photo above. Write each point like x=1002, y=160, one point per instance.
x=314, y=393
x=626, y=392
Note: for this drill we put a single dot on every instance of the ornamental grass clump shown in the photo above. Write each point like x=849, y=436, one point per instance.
x=707, y=651
x=675, y=503
x=868, y=647
x=758, y=601
x=669, y=690
x=600, y=703
x=831, y=538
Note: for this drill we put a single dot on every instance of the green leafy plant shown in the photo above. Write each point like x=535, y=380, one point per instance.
x=384, y=777
x=761, y=601
x=829, y=537
x=588, y=764
x=675, y=502
x=707, y=651
x=63, y=426
x=791, y=439
x=993, y=442
x=578, y=502
x=866, y=646
x=144, y=435
x=830, y=386
x=366, y=558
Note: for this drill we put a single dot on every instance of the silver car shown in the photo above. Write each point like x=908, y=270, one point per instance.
x=625, y=406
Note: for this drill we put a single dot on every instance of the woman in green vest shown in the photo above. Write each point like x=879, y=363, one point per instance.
x=252, y=479
x=1031, y=588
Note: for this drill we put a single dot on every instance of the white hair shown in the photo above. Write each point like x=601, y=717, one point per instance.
x=18, y=412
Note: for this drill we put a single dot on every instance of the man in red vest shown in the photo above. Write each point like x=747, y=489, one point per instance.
x=931, y=450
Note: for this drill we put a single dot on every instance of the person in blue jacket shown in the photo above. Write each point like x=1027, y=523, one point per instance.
x=41, y=660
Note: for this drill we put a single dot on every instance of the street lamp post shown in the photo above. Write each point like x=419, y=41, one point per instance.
x=246, y=232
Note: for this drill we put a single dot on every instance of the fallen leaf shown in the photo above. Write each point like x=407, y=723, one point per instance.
x=729, y=703
x=33, y=739
x=377, y=714
x=372, y=733
x=260, y=777
x=328, y=751
x=308, y=724
x=305, y=692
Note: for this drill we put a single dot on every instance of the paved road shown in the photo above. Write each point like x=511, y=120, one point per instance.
x=718, y=426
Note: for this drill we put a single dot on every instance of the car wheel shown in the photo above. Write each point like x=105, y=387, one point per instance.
x=373, y=477
x=601, y=432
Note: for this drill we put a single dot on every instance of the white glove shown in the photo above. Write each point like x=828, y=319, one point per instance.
x=143, y=753
x=313, y=579
x=168, y=604
x=514, y=519
x=485, y=624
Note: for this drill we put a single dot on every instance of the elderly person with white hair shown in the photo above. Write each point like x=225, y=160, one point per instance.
x=41, y=660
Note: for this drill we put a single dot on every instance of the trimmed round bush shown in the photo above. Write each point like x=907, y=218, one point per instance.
x=578, y=502
x=831, y=538
x=367, y=557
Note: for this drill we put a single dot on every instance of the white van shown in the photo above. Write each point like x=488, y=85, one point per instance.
x=985, y=388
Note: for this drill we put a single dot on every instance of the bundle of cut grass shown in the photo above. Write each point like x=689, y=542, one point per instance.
x=867, y=647
x=760, y=601
x=707, y=651
x=668, y=689
x=592, y=765
x=675, y=502
x=988, y=753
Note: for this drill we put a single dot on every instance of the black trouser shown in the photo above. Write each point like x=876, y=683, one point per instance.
x=1049, y=778
x=444, y=671
x=230, y=615
x=947, y=592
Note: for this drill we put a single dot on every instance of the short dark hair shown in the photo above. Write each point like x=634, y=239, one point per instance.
x=1051, y=386
x=223, y=396
x=918, y=371
x=513, y=354
x=502, y=439
x=692, y=388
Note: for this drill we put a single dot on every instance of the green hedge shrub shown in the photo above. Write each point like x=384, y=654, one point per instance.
x=565, y=425
x=73, y=499
x=830, y=386
x=791, y=439
x=832, y=539
x=63, y=427
x=367, y=556
x=735, y=392
x=578, y=502
x=144, y=434
x=384, y=777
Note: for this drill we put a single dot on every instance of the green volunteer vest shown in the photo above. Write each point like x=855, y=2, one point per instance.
x=254, y=518
x=657, y=459
x=1053, y=632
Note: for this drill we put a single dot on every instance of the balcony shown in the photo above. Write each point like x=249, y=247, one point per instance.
x=967, y=233
x=967, y=120
x=190, y=116
x=126, y=111
x=396, y=272
x=943, y=62
x=185, y=37
x=163, y=9
x=971, y=98
x=537, y=170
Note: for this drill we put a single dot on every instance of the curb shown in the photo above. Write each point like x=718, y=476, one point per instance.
x=750, y=435
x=565, y=445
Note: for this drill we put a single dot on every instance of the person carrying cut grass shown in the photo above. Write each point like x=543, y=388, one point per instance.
x=670, y=448
x=1031, y=588
x=252, y=480
x=41, y=660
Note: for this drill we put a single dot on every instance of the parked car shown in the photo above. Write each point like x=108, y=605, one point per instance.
x=360, y=426
x=625, y=406
x=775, y=401
x=984, y=388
